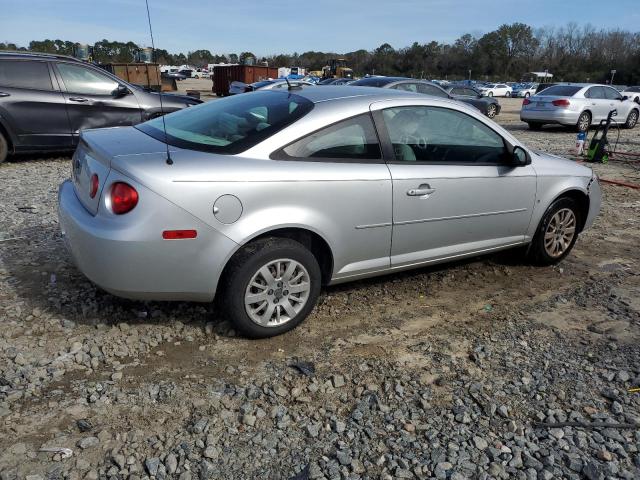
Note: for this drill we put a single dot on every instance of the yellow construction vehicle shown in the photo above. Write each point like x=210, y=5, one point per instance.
x=337, y=68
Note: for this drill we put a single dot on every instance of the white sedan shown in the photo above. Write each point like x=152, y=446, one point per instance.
x=496, y=90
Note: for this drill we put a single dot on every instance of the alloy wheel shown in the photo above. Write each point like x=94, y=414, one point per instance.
x=491, y=111
x=277, y=292
x=632, y=120
x=584, y=122
x=560, y=232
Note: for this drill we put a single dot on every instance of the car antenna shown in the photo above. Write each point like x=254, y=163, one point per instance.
x=292, y=87
x=164, y=124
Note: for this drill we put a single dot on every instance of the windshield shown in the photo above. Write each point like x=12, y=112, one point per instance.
x=230, y=125
x=561, y=91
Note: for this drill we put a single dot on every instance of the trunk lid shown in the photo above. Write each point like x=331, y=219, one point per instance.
x=95, y=153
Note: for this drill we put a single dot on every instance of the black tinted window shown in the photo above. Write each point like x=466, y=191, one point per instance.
x=432, y=90
x=441, y=135
x=611, y=94
x=562, y=90
x=595, y=92
x=354, y=138
x=25, y=74
x=230, y=125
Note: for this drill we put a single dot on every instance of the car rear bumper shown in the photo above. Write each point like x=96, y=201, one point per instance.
x=128, y=256
x=560, y=115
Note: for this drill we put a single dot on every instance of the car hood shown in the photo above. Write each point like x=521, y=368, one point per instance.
x=547, y=164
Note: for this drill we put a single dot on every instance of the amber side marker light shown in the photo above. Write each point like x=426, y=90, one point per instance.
x=179, y=234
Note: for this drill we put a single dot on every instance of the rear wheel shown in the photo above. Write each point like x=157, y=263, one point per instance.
x=490, y=94
x=535, y=126
x=508, y=94
x=4, y=148
x=271, y=286
x=632, y=119
x=492, y=110
x=584, y=122
x=527, y=94
x=557, y=232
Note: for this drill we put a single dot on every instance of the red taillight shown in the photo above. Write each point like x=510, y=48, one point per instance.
x=179, y=234
x=95, y=183
x=124, y=198
x=563, y=102
x=526, y=101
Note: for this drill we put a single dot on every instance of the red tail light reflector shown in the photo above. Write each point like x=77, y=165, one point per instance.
x=179, y=234
x=93, y=188
x=124, y=198
x=526, y=101
x=563, y=102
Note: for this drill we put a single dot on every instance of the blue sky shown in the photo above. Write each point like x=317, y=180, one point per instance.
x=275, y=26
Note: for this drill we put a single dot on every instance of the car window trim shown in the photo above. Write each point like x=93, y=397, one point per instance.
x=75, y=64
x=389, y=153
x=281, y=155
x=46, y=64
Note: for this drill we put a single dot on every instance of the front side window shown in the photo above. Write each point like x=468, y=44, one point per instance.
x=611, y=94
x=25, y=74
x=442, y=135
x=230, y=125
x=82, y=80
x=354, y=138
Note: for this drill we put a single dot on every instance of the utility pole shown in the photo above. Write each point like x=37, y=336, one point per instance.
x=469, y=74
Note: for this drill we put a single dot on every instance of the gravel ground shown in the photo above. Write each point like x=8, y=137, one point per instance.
x=488, y=368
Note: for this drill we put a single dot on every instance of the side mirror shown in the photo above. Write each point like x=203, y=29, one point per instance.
x=120, y=91
x=622, y=99
x=520, y=157
x=479, y=95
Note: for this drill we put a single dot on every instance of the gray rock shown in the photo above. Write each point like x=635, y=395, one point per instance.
x=480, y=443
x=152, y=464
x=88, y=442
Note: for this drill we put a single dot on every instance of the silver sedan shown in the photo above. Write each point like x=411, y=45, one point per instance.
x=259, y=199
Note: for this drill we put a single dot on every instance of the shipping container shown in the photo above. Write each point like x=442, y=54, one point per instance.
x=143, y=74
x=224, y=75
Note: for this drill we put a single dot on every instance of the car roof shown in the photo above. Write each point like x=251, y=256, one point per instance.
x=37, y=55
x=330, y=92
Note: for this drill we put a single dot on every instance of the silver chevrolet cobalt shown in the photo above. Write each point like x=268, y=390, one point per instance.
x=260, y=198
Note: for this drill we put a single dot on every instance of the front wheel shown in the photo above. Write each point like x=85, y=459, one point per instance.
x=492, y=110
x=4, y=148
x=490, y=94
x=632, y=119
x=557, y=232
x=527, y=94
x=508, y=94
x=270, y=287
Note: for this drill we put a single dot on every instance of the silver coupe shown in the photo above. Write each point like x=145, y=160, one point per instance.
x=259, y=199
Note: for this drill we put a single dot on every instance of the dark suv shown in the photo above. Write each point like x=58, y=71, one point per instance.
x=45, y=100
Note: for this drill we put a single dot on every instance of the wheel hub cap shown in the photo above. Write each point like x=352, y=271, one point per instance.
x=560, y=232
x=277, y=292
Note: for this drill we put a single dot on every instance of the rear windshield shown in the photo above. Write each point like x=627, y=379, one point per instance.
x=561, y=90
x=231, y=125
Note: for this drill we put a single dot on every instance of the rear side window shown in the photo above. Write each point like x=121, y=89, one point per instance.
x=431, y=90
x=231, y=125
x=562, y=90
x=595, y=92
x=354, y=138
x=25, y=74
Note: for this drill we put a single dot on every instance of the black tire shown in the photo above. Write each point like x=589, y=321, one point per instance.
x=537, y=252
x=535, y=126
x=527, y=94
x=492, y=110
x=584, y=122
x=4, y=148
x=490, y=94
x=632, y=119
x=244, y=265
x=508, y=94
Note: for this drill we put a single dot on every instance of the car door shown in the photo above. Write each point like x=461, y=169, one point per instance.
x=91, y=98
x=32, y=107
x=349, y=185
x=454, y=190
x=597, y=103
x=614, y=101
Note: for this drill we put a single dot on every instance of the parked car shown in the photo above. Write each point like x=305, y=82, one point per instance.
x=270, y=195
x=278, y=83
x=632, y=93
x=578, y=105
x=524, y=90
x=496, y=90
x=487, y=105
x=45, y=100
x=426, y=87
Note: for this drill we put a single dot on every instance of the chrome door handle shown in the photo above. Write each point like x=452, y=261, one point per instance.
x=422, y=190
x=3, y=94
x=78, y=99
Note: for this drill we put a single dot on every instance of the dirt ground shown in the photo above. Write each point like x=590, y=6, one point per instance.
x=143, y=373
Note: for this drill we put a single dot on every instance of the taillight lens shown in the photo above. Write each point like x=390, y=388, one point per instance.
x=563, y=102
x=124, y=198
x=526, y=101
x=93, y=188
